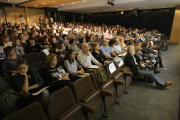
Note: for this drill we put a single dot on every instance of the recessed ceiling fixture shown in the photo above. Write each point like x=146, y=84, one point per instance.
x=129, y=8
x=105, y=10
x=36, y=5
x=144, y=7
x=7, y=0
x=95, y=11
x=55, y=6
x=122, y=12
x=63, y=4
x=117, y=9
x=72, y=3
x=53, y=1
x=162, y=6
x=84, y=1
x=43, y=3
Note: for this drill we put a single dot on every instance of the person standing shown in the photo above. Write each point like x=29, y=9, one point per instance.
x=41, y=21
x=21, y=19
x=46, y=21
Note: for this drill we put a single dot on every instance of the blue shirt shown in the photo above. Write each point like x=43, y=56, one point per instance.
x=106, y=51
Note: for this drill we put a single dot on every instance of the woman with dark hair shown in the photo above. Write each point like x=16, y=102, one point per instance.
x=66, y=41
x=32, y=46
x=41, y=22
x=72, y=66
x=4, y=32
x=33, y=35
x=60, y=50
x=54, y=74
x=90, y=42
x=46, y=44
x=61, y=35
x=18, y=48
x=9, y=63
x=54, y=41
x=22, y=39
x=113, y=48
x=29, y=81
x=97, y=53
x=74, y=47
x=6, y=41
x=152, y=54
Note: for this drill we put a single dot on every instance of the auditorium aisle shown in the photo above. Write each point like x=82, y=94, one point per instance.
x=145, y=102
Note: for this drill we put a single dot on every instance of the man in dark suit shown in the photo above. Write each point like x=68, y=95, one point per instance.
x=130, y=61
x=137, y=39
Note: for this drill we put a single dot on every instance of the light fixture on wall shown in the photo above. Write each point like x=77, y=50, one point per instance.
x=84, y=1
x=122, y=12
x=63, y=4
x=43, y=3
x=53, y=1
x=36, y=5
x=144, y=7
x=129, y=8
x=162, y=6
x=72, y=3
x=117, y=9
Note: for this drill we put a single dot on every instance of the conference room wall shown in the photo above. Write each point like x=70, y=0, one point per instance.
x=160, y=19
x=2, y=18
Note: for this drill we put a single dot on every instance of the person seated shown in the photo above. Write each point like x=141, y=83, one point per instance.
x=66, y=41
x=150, y=52
x=141, y=58
x=29, y=81
x=46, y=44
x=32, y=46
x=60, y=50
x=130, y=61
x=18, y=48
x=98, y=39
x=106, y=50
x=137, y=40
x=26, y=36
x=113, y=48
x=118, y=47
x=9, y=63
x=82, y=42
x=85, y=57
x=2, y=53
x=54, y=42
x=97, y=53
x=90, y=42
x=6, y=41
x=72, y=66
x=122, y=44
x=74, y=47
x=43, y=33
x=54, y=74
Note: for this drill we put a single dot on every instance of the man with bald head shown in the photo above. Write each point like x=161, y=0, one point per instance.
x=85, y=57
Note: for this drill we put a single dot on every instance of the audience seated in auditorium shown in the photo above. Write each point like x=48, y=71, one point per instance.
x=46, y=44
x=6, y=41
x=54, y=74
x=54, y=42
x=74, y=47
x=22, y=39
x=9, y=63
x=130, y=61
x=113, y=48
x=60, y=50
x=66, y=41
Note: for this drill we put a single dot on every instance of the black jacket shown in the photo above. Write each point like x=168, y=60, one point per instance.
x=129, y=61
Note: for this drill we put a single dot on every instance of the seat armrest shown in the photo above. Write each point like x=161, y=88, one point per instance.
x=87, y=108
x=118, y=82
x=105, y=92
x=133, y=69
x=127, y=73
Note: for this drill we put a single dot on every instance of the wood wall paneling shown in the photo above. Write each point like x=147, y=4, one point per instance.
x=2, y=18
x=175, y=32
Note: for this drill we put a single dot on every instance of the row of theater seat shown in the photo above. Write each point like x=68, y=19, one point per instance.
x=86, y=99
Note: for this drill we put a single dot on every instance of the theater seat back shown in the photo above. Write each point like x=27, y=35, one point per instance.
x=32, y=57
x=11, y=82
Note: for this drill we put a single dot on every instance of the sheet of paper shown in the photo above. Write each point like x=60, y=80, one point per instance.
x=112, y=67
x=93, y=66
x=83, y=75
x=38, y=92
x=121, y=63
x=123, y=54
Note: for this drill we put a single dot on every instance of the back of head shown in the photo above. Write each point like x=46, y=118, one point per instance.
x=21, y=61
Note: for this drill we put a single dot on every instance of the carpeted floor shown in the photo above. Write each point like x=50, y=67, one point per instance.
x=145, y=101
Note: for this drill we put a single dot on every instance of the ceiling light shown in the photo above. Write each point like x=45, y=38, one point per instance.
x=36, y=5
x=95, y=11
x=105, y=10
x=117, y=9
x=84, y=1
x=43, y=3
x=72, y=3
x=122, y=12
x=162, y=6
x=7, y=0
x=53, y=1
x=130, y=8
x=144, y=7
x=63, y=4
x=55, y=6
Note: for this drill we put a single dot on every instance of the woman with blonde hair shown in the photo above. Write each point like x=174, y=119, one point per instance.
x=122, y=44
x=54, y=74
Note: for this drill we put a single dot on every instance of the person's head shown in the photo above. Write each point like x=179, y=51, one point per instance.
x=121, y=39
x=117, y=42
x=144, y=44
x=60, y=44
x=45, y=39
x=95, y=46
x=5, y=38
x=4, y=32
x=31, y=41
x=21, y=36
x=72, y=42
x=137, y=35
x=44, y=33
x=85, y=48
x=16, y=42
x=22, y=65
x=54, y=23
x=20, y=16
x=70, y=55
x=104, y=43
x=84, y=40
x=112, y=42
x=138, y=49
x=97, y=36
x=91, y=39
x=130, y=49
x=39, y=16
x=51, y=60
x=64, y=37
x=10, y=51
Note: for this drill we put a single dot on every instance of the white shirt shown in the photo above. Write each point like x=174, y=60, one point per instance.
x=21, y=20
x=118, y=48
x=85, y=60
x=7, y=44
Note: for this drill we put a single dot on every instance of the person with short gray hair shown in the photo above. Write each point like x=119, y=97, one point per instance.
x=130, y=61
